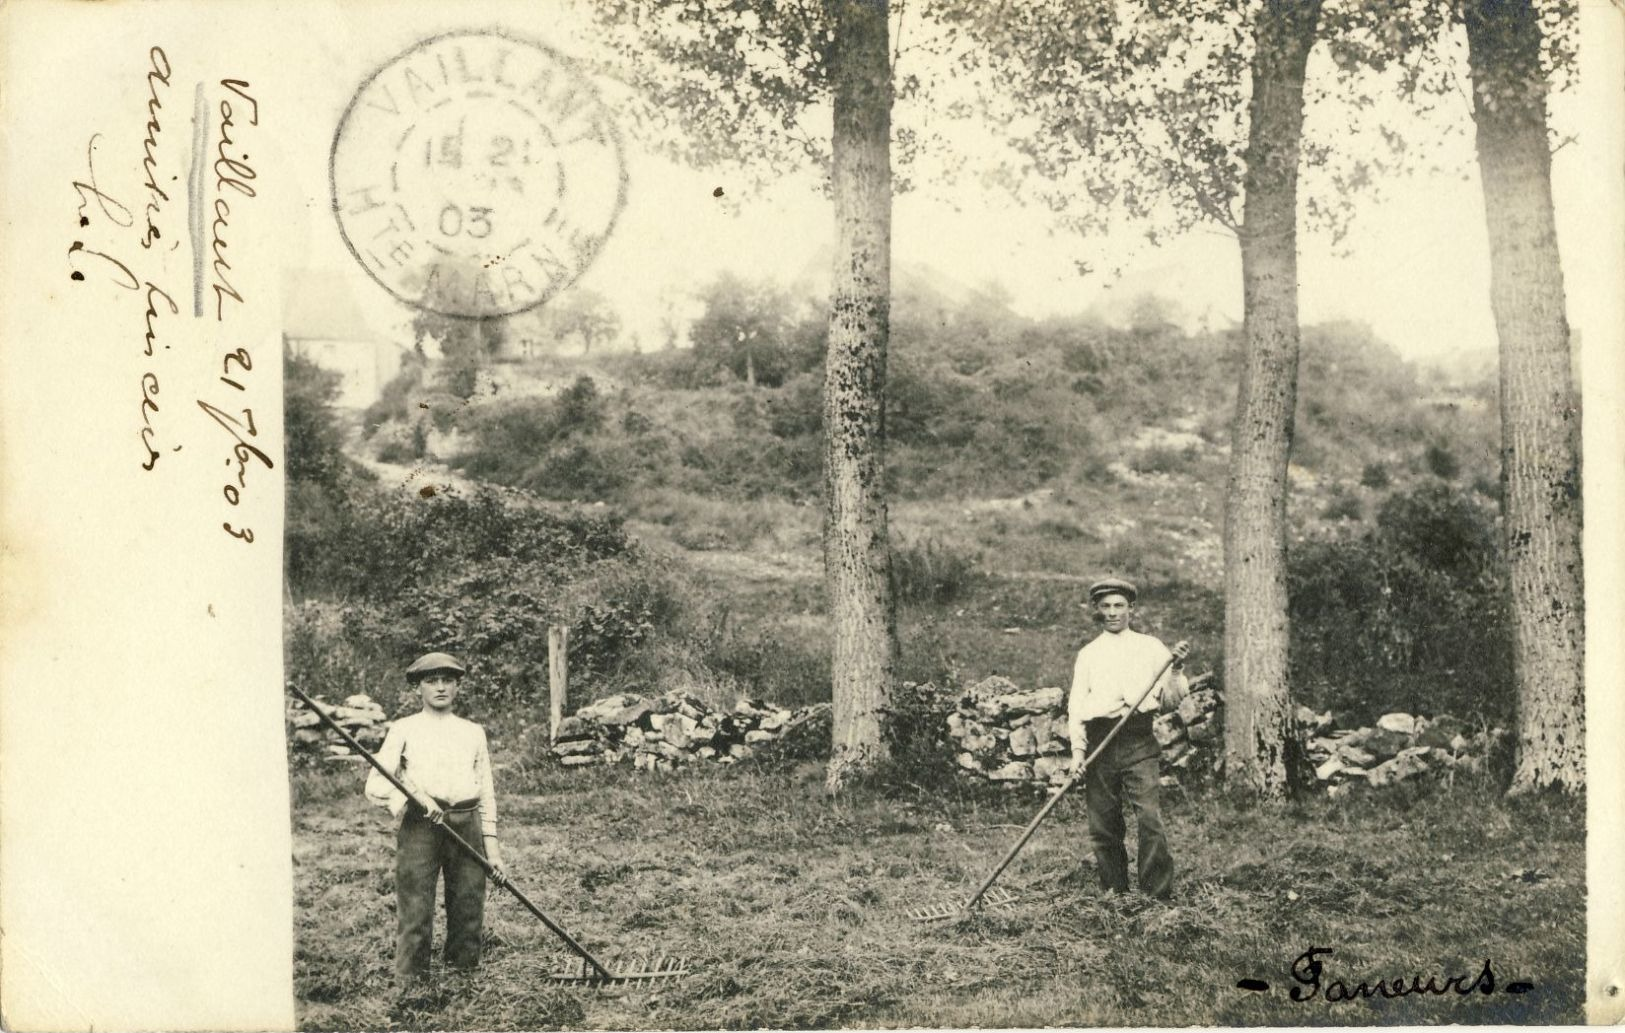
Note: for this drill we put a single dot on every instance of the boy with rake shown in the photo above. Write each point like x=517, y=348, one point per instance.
x=1111, y=673
x=446, y=762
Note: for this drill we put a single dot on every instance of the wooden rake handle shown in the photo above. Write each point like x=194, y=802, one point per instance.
x=1038, y=819
x=467, y=848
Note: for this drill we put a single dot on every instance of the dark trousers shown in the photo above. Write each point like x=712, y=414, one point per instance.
x=1126, y=773
x=423, y=853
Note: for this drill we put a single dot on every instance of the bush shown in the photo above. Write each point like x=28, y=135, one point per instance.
x=1343, y=505
x=1411, y=615
x=1375, y=475
x=483, y=576
x=929, y=573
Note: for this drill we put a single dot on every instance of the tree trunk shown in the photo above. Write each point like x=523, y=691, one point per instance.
x=1258, y=711
x=1540, y=448
x=857, y=561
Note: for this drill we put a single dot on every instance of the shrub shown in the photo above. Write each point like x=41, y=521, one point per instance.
x=1343, y=505
x=1375, y=475
x=929, y=573
x=1410, y=615
x=1442, y=462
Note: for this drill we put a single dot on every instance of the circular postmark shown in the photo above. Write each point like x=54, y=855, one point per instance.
x=476, y=175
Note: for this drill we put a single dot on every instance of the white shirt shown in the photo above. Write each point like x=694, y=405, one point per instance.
x=443, y=755
x=1110, y=674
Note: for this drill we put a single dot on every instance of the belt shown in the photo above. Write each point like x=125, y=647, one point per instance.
x=459, y=807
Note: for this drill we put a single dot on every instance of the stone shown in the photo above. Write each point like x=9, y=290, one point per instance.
x=1404, y=724
x=1196, y=706
x=756, y=735
x=1312, y=723
x=1328, y=769
x=1038, y=701
x=706, y=752
x=739, y=751
x=361, y=700
x=627, y=715
x=1022, y=742
x=1179, y=753
x=308, y=736
x=656, y=722
x=774, y=721
x=1443, y=731
x=1459, y=744
x=1339, y=790
x=1168, y=782
x=1015, y=771
x=643, y=762
x=305, y=719
x=988, y=688
x=683, y=732
x=979, y=743
x=573, y=727
x=968, y=761
x=634, y=736
x=579, y=759
x=956, y=724
x=670, y=752
x=1385, y=742
x=1405, y=765
x=1355, y=756
x=1202, y=731
x=1047, y=768
x=692, y=709
x=1323, y=745
x=597, y=711
x=576, y=747
x=1167, y=729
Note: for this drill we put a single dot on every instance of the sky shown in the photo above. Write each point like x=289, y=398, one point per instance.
x=1414, y=266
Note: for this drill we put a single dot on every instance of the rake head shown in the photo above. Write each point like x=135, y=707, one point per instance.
x=641, y=971
x=997, y=897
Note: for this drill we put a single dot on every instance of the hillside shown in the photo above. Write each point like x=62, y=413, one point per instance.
x=1025, y=458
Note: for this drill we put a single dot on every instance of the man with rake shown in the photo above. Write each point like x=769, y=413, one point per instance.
x=1108, y=680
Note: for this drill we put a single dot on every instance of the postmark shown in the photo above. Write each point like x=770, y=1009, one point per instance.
x=476, y=175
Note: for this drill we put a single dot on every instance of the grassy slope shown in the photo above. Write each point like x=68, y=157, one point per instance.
x=787, y=905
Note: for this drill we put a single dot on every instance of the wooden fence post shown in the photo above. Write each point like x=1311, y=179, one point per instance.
x=558, y=676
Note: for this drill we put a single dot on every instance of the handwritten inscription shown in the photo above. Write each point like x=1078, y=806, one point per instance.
x=99, y=258
x=101, y=254
x=234, y=179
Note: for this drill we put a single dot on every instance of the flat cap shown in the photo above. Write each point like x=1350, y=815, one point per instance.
x=435, y=662
x=1113, y=586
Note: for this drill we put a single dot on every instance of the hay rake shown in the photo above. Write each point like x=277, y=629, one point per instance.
x=591, y=971
x=1000, y=897
x=658, y=969
x=983, y=896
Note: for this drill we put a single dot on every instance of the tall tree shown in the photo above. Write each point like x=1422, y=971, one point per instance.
x=1540, y=418
x=857, y=560
x=738, y=80
x=1258, y=711
x=1145, y=106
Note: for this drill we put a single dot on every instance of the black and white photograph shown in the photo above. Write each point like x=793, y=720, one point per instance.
x=673, y=514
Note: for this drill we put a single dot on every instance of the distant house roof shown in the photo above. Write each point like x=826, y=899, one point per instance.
x=318, y=303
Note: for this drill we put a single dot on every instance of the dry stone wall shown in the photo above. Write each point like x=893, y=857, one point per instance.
x=664, y=732
x=359, y=715
x=1003, y=733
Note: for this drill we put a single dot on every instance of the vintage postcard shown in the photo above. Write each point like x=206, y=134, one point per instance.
x=645, y=514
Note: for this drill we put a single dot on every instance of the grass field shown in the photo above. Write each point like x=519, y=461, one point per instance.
x=788, y=904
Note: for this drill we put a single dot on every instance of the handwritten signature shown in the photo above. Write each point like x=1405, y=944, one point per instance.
x=234, y=179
